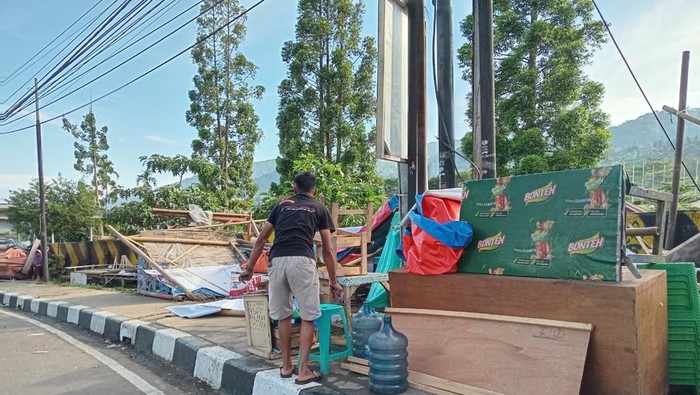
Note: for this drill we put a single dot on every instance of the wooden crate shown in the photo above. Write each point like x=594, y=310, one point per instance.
x=258, y=326
x=263, y=337
x=628, y=347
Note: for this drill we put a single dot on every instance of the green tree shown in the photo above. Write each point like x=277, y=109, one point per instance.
x=177, y=165
x=548, y=114
x=333, y=185
x=221, y=106
x=70, y=209
x=91, y=157
x=327, y=100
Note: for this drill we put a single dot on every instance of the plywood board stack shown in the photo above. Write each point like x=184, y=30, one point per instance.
x=509, y=355
x=628, y=346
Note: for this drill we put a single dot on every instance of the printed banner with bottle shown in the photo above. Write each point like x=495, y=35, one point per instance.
x=567, y=224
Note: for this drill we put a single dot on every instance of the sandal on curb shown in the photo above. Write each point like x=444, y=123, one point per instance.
x=317, y=377
x=287, y=376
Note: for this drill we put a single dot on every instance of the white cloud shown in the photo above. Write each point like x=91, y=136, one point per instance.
x=160, y=139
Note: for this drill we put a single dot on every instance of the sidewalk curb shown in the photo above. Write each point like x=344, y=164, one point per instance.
x=222, y=369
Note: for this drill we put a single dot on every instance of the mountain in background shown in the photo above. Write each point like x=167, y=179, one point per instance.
x=639, y=138
x=265, y=173
x=642, y=138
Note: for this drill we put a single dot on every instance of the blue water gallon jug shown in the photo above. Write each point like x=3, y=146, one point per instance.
x=364, y=324
x=388, y=360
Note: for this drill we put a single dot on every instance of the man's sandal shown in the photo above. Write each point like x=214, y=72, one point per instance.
x=287, y=376
x=317, y=377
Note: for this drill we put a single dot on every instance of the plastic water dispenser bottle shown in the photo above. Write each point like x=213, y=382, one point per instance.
x=388, y=360
x=364, y=324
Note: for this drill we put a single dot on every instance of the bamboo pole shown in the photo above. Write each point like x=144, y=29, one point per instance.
x=205, y=227
x=186, y=214
x=236, y=250
x=174, y=240
x=150, y=261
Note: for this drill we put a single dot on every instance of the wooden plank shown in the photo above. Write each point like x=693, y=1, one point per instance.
x=510, y=355
x=445, y=385
x=359, y=369
x=653, y=331
x=30, y=257
x=659, y=240
x=420, y=381
x=491, y=317
x=358, y=361
x=618, y=347
x=650, y=194
x=178, y=240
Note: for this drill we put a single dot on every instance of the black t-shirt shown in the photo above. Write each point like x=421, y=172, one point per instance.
x=296, y=220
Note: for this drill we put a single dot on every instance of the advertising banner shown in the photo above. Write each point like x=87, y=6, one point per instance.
x=567, y=224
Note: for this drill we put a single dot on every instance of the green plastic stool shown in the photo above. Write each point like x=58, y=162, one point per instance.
x=323, y=354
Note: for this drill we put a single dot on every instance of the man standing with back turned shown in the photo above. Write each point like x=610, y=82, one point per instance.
x=292, y=268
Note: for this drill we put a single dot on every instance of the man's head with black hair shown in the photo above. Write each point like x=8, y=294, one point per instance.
x=305, y=182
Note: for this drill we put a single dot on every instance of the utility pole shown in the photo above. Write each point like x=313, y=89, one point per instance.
x=678, y=158
x=42, y=190
x=484, y=133
x=417, y=136
x=445, y=86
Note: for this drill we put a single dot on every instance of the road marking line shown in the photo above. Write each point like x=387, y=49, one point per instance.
x=128, y=375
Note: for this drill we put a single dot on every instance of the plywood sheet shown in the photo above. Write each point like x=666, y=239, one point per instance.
x=510, y=355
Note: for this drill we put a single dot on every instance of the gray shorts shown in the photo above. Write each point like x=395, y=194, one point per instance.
x=294, y=276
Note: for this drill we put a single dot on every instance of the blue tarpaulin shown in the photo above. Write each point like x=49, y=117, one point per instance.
x=377, y=296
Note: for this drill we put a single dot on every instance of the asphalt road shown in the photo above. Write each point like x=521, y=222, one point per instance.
x=41, y=356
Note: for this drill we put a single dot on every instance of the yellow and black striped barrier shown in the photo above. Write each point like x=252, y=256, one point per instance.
x=102, y=252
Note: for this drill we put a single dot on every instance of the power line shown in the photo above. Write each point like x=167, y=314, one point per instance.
x=199, y=41
x=639, y=86
x=19, y=70
x=80, y=32
x=67, y=84
x=128, y=59
x=65, y=62
x=79, y=51
x=117, y=52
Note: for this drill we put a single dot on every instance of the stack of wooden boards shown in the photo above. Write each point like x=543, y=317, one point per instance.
x=628, y=352
x=683, y=322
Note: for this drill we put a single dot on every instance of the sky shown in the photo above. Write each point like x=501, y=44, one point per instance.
x=148, y=116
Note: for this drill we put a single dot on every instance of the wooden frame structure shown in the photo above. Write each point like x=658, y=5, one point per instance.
x=344, y=239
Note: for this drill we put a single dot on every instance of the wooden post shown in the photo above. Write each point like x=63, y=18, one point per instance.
x=42, y=188
x=150, y=261
x=678, y=158
x=30, y=257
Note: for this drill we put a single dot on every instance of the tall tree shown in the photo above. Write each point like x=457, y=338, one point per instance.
x=327, y=101
x=221, y=106
x=548, y=114
x=91, y=157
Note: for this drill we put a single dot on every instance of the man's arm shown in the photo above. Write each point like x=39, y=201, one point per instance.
x=262, y=239
x=329, y=255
